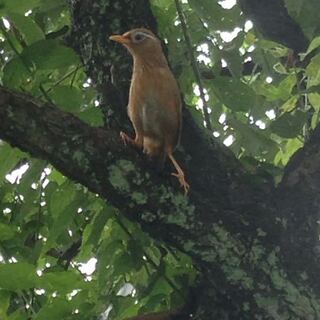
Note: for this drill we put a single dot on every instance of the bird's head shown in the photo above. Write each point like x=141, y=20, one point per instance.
x=140, y=42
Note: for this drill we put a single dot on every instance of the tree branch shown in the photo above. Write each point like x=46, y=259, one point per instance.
x=299, y=204
x=96, y=158
x=194, y=65
x=272, y=19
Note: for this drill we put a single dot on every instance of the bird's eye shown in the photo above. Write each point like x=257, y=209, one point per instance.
x=138, y=37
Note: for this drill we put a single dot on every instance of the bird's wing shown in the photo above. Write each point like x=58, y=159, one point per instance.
x=169, y=99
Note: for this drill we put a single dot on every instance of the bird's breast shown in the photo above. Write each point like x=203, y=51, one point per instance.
x=155, y=103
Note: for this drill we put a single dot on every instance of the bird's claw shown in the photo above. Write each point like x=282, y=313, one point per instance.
x=125, y=139
x=184, y=184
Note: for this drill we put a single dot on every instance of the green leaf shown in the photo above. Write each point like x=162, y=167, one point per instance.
x=47, y=5
x=18, y=276
x=289, y=125
x=63, y=204
x=62, y=282
x=19, y=6
x=6, y=232
x=282, y=91
x=280, y=68
x=197, y=116
x=125, y=263
x=163, y=4
x=27, y=27
x=56, y=176
x=290, y=104
x=161, y=286
x=315, y=119
x=166, y=12
x=49, y=54
x=32, y=175
x=108, y=250
x=125, y=307
x=18, y=315
x=253, y=140
x=9, y=157
x=287, y=151
x=57, y=309
x=61, y=198
x=314, y=99
x=234, y=60
x=92, y=232
x=235, y=94
x=67, y=98
x=153, y=303
x=4, y=303
x=215, y=16
x=15, y=73
x=93, y=116
x=285, y=87
x=275, y=49
x=86, y=302
x=313, y=71
x=315, y=43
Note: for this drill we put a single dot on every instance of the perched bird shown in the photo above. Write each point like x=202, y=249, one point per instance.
x=154, y=100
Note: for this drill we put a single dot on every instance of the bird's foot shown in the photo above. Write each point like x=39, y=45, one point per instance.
x=126, y=139
x=183, y=183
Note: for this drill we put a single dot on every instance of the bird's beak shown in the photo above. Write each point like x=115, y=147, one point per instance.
x=120, y=39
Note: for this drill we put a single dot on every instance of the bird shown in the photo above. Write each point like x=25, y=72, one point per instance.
x=154, y=106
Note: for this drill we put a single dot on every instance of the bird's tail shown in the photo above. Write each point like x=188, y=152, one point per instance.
x=154, y=148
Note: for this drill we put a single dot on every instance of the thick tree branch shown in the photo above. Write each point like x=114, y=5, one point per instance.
x=298, y=195
x=96, y=158
x=299, y=204
x=88, y=156
x=273, y=21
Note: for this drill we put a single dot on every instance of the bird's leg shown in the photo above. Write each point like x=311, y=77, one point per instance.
x=179, y=174
x=137, y=141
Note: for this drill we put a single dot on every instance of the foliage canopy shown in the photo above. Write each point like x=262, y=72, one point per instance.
x=263, y=103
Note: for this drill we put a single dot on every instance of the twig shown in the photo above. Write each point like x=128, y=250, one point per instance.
x=194, y=64
x=66, y=76
x=15, y=50
x=74, y=74
x=44, y=92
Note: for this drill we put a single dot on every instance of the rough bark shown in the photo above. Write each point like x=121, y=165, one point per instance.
x=240, y=230
x=298, y=202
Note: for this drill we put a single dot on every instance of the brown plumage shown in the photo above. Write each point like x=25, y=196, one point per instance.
x=154, y=101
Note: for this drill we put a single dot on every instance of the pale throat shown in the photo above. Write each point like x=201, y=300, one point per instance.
x=141, y=64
